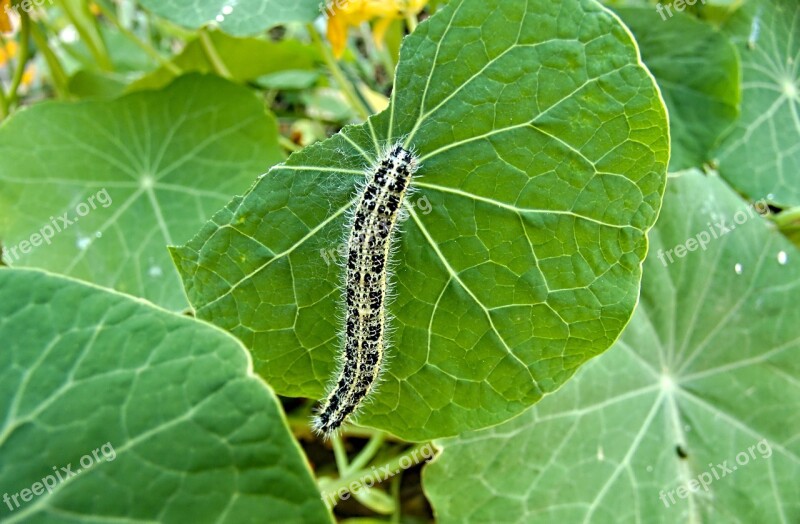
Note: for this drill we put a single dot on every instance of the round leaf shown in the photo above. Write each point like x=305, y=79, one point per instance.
x=241, y=18
x=760, y=157
x=697, y=69
x=704, y=386
x=130, y=413
x=543, y=145
x=128, y=176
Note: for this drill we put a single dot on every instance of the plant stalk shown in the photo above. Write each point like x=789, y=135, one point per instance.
x=347, y=88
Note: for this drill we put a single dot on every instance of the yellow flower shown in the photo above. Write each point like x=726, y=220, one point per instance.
x=5, y=20
x=343, y=14
x=8, y=52
x=29, y=75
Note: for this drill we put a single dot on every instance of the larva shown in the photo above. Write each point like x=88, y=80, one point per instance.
x=368, y=248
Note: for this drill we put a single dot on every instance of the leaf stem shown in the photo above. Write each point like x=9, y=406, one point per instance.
x=377, y=473
x=57, y=74
x=213, y=55
x=412, y=22
x=91, y=37
x=340, y=454
x=394, y=491
x=369, y=451
x=787, y=218
x=4, y=108
x=22, y=58
x=144, y=46
x=288, y=144
x=347, y=88
x=3, y=105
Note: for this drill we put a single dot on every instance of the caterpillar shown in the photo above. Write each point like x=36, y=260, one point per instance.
x=369, y=245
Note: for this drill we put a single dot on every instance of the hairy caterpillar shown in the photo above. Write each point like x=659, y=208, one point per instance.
x=368, y=248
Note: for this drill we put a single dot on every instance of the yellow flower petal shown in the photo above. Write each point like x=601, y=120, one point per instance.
x=415, y=6
x=5, y=20
x=29, y=75
x=351, y=13
x=337, y=34
x=379, y=31
x=8, y=52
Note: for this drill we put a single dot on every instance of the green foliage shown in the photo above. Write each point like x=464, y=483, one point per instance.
x=206, y=156
x=184, y=430
x=698, y=72
x=242, y=58
x=245, y=17
x=759, y=157
x=708, y=364
x=166, y=160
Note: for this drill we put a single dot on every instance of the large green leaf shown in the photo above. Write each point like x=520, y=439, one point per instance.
x=242, y=17
x=166, y=160
x=761, y=157
x=175, y=425
x=246, y=59
x=707, y=369
x=697, y=69
x=543, y=145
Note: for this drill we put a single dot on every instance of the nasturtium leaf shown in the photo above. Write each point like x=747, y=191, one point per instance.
x=125, y=56
x=697, y=69
x=176, y=426
x=708, y=368
x=240, y=18
x=246, y=59
x=95, y=84
x=760, y=156
x=147, y=170
x=543, y=145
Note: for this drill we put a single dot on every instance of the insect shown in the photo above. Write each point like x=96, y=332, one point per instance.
x=368, y=248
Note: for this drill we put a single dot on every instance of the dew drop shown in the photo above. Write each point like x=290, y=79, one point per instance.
x=738, y=268
x=783, y=258
x=649, y=469
x=227, y=10
x=98, y=234
x=220, y=18
x=83, y=242
x=155, y=272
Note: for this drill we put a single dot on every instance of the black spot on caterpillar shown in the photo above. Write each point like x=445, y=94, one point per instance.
x=368, y=248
